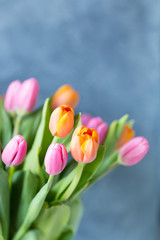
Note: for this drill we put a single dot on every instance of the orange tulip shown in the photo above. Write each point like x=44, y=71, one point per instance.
x=61, y=121
x=127, y=134
x=65, y=95
x=84, y=144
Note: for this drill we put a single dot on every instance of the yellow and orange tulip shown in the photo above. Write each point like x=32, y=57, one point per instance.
x=127, y=134
x=84, y=144
x=61, y=121
x=65, y=95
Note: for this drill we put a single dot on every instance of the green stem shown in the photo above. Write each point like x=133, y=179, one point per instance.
x=34, y=208
x=74, y=183
x=11, y=172
x=17, y=125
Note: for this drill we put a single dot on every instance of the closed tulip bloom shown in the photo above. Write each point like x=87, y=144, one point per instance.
x=127, y=134
x=15, y=151
x=65, y=95
x=133, y=151
x=11, y=95
x=84, y=144
x=85, y=117
x=55, y=159
x=27, y=96
x=97, y=123
x=61, y=121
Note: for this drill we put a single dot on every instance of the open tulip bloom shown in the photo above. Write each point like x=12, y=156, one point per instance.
x=40, y=188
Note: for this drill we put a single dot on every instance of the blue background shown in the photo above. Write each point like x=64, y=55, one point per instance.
x=109, y=51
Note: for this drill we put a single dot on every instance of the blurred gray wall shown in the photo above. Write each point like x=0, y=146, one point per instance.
x=108, y=50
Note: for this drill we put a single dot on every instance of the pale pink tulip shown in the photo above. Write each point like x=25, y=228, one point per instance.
x=15, y=151
x=27, y=96
x=55, y=159
x=133, y=151
x=11, y=95
x=97, y=123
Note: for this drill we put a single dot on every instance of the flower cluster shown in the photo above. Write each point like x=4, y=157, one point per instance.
x=51, y=133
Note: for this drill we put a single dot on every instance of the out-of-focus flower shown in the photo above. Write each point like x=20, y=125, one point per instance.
x=27, y=95
x=97, y=123
x=133, y=151
x=55, y=159
x=21, y=96
x=65, y=95
x=85, y=117
x=61, y=121
x=127, y=134
x=11, y=96
x=84, y=144
x=15, y=151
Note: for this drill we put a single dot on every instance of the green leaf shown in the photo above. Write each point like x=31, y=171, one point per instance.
x=7, y=127
x=76, y=208
x=1, y=232
x=16, y=191
x=107, y=165
x=32, y=235
x=66, y=140
x=34, y=209
x=70, y=230
x=67, y=234
x=29, y=190
x=60, y=186
x=114, y=133
x=4, y=203
x=52, y=221
x=29, y=126
x=110, y=156
x=88, y=172
x=130, y=123
x=41, y=142
x=1, y=163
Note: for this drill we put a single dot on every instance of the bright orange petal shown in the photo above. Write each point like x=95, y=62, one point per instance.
x=65, y=125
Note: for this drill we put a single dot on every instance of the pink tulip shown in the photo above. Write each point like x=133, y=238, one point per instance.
x=15, y=151
x=97, y=123
x=11, y=95
x=133, y=151
x=85, y=117
x=27, y=96
x=55, y=159
x=21, y=96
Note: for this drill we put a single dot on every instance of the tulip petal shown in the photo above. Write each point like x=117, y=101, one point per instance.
x=65, y=125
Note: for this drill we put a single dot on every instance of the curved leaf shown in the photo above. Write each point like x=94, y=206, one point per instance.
x=41, y=142
x=4, y=203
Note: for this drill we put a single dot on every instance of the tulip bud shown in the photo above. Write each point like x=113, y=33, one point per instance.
x=65, y=95
x=61, y=121
x=97, y=123
x=133, y=151
x=127, y=134
x=27, y=96
x=55, y=159
x=84, y=144
x=85, y=117
x=11, y=95
x=15, y=151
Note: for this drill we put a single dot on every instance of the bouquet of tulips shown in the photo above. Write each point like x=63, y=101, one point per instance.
x=40, y=188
